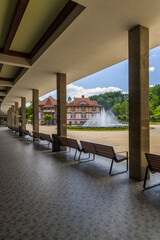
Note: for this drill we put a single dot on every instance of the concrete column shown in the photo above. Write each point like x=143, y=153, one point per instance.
x=61, y=105
x=138, y=100
x=35, y=95
x=23, y=107
x=12, y=116
x=16, y=115
x=9, y=117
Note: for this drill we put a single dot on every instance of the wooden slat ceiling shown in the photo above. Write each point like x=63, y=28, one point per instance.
x=29, y=25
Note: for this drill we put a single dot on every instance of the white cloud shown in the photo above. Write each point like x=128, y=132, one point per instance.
x=77, y=91
x=151, y=86
x=152, y=69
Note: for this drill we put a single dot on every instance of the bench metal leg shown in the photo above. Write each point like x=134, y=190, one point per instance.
x=145, y=180
x=110, y=171
x=75, y=154
x=86, y=159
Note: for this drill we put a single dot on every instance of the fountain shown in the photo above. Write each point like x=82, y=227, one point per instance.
x=104, y=119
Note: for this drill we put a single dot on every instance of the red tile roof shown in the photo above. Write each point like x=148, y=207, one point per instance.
x=87, y=101
x=48, y=102
x=51, y=102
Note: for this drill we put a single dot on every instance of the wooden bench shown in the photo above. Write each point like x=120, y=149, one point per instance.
x=70, y=143
x=26, y=133
x=104, y=151
x=46, y=137
x=14, y=129
x=36, y=135
x=42, y=136
x=154, y=167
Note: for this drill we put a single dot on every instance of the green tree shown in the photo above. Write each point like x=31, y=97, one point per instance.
x=124, y=108
x=157, y=113
x=116, y=109
x=29, y=111
x=31, y=118
x=48, y=118
x=154, y=102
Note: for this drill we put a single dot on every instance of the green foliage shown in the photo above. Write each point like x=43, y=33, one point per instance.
x=154, y=97
x=31, y=118
x=116, y=108
x=116, y=101
x=124, y=108
x=29, y=111
x=48, y=118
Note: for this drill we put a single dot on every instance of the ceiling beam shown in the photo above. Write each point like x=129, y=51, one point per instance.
x=15, y=61
x=15, y=53
x=6, y=83
x=18, y=14
x=66, y=11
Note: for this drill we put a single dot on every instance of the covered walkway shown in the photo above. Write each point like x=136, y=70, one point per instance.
x=49, y=196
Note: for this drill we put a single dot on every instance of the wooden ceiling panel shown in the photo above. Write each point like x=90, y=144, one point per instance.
x=7, y=8
x=8, y=71
x=36, y=20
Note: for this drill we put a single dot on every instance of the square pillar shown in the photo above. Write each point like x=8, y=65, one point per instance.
x=138, y=100
x=8, y=117
x=12, y=116
x=16, y=115
x=61, y=105
x=35, y=96
x=23, y=107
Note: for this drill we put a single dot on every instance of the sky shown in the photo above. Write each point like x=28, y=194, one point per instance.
x=114, y=78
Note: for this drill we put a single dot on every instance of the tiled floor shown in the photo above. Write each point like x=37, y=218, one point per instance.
x=49, y=196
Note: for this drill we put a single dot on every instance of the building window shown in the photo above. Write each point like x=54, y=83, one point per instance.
x=73, y=109
x=73, y=116
x=83, y=116
x=94, y=109
x=75, y=122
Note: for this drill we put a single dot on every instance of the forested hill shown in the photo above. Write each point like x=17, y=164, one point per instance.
x=117, y=102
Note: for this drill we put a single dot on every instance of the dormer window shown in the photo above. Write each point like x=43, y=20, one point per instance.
x=83, y=103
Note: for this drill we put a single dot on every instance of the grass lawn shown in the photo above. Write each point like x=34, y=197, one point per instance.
x=154, y=123
x=79, y=128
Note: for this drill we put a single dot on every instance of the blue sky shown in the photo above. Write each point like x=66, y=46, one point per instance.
x=114, y=78
x=117, y=75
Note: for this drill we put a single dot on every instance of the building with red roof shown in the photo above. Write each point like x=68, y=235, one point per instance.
x=78, y=111
x=48, y=106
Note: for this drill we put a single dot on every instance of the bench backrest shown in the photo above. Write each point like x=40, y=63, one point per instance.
x=36, y=134
x=153, y=162
x=72, y=143
x=69, y=142
x=88, y=147
x=44, y=136
x=105, y=151
x=63, y=141
x=26, y=132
